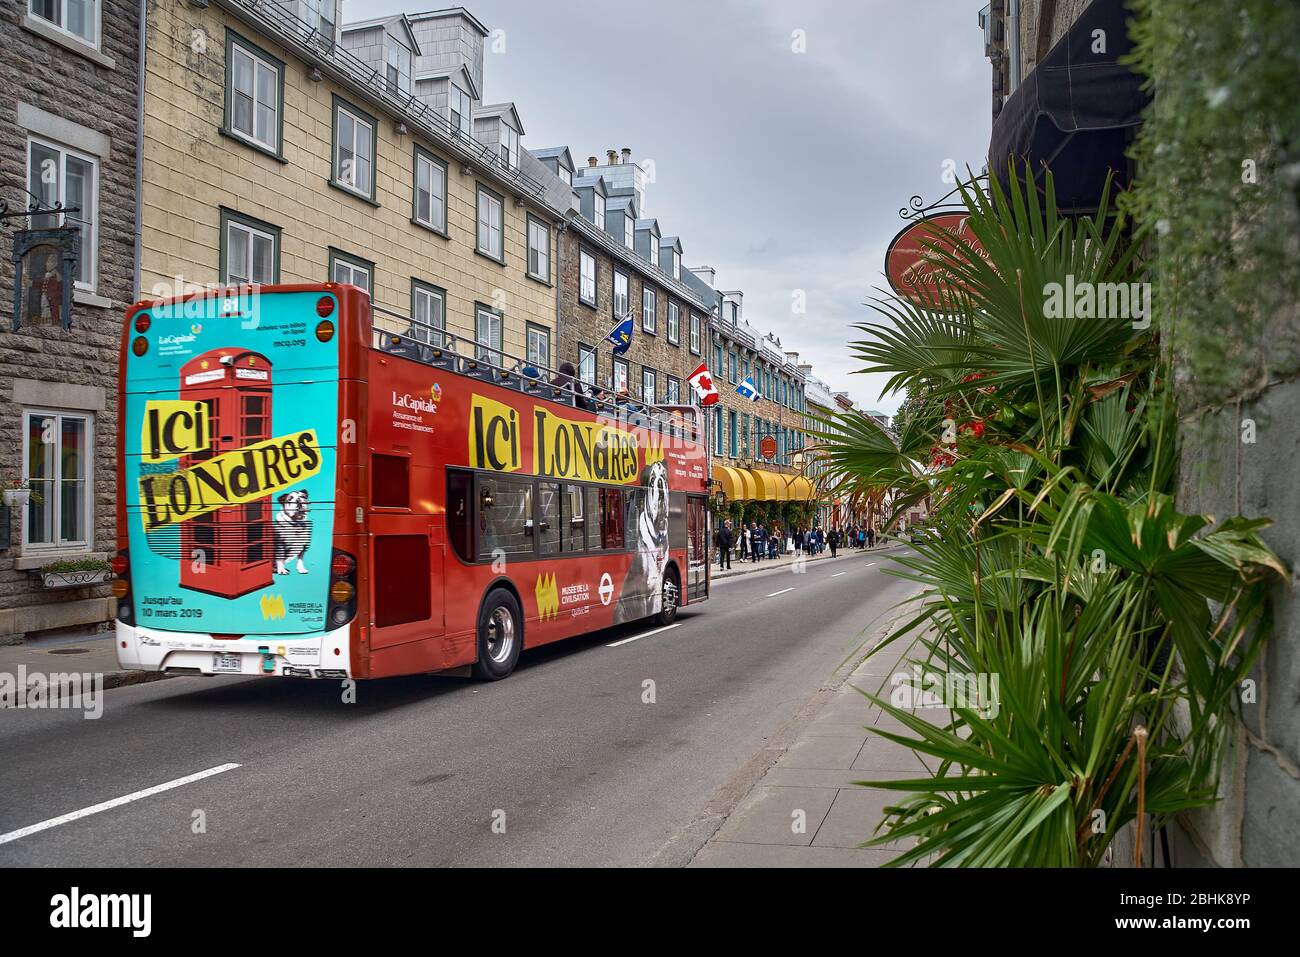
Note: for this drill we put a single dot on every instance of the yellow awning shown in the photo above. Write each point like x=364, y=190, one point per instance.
x=748, y=482
x=771, y=486
x=801, y=490
x=732, y=484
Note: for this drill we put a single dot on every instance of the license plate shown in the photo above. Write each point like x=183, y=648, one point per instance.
x=233, y=663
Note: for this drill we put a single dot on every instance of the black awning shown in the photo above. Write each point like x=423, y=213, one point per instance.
x=1075, y=112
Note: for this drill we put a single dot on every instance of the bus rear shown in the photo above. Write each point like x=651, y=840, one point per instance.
x=231, y=555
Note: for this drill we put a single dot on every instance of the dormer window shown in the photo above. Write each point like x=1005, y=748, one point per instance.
x=509, y=148
x=676, y=265
x=598, y=209
x=565, y=175
x=460, y=107
x=654, y=250
x=628, y=236
x=397, y=66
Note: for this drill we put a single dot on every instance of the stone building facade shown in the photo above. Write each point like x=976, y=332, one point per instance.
x=344, y=172
x=68, y=131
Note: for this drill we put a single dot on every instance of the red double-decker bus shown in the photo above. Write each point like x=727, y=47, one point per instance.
x=309, y=489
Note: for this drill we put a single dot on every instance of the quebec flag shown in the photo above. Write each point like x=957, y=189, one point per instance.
x=748, y=390
x=620, y=337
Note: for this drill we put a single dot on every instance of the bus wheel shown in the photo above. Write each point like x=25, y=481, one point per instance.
x=500, y=636
x=672, y=593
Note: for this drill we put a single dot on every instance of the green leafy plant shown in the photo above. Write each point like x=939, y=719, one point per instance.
x=1112, y=630
x=75, y=565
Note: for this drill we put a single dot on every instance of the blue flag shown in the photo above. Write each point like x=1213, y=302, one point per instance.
x=620, y=337
x=748, y=390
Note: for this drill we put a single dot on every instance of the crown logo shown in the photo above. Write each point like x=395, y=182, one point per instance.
x=272, y=607
x=548, y=597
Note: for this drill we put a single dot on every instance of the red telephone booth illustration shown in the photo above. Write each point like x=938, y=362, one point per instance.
x=228, y=552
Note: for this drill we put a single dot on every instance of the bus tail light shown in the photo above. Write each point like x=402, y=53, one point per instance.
x=142, y=323
x=325, y=307
x=140, y=345
x=325, y=330
x=343, y=589
x=121, y=565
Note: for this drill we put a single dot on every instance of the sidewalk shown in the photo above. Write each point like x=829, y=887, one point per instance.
x=830, y=750
x=86, y=652
x=744, y=568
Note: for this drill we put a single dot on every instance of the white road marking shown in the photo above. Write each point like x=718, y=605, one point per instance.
x=116, y=802
x=838, y=574
x=647, y=634
x=869, y=564
x=781, y=592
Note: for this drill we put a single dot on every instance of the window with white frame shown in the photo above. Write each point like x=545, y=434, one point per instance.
x=429, y=310
x=354, y=152
x=620, y=295
x=649, y=309
x=539, y=347
x=586, y=364
x=674, y=323
x=430, y=191
x=696, y=321
x=629, y=233
x=677, y=265
x=673, y=394
x=565, y=174
x=654, y=250
x=587, y=277
x=598, y=209
x=648, y=386
x=539, y=249
x=57, y=457
x=78, y=17
x=620, y=375
x=460, y=110
x=354, y=271
x=491, y=211
x=254, y=95
x=57, y=174
x=251, y=252
x=488, y=335
x=509, y=146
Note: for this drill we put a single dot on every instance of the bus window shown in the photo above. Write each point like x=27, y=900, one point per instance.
x=459, y=512
x=548, y=517
x=611, y=518
x=390, y=481
x=591, y=498
x=573, y=519
x=505, y=518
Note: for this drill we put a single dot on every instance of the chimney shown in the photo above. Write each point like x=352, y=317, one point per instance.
x=612, y=156
x=592, y=162
x=627, y=155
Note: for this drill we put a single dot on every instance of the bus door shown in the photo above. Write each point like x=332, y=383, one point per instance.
x=697, y=547
x=406, y=558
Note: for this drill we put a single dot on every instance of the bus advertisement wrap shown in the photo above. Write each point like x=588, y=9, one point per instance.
x=229, y=468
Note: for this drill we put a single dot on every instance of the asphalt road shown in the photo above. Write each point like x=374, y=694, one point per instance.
x=563, y=763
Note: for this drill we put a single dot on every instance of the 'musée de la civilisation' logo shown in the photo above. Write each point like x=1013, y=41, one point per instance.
x=548, y=597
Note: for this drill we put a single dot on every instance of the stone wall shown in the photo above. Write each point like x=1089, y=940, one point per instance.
x=80, y=97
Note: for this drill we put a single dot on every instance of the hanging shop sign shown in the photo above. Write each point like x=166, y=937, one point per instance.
x=767, y=447
x=913, y=263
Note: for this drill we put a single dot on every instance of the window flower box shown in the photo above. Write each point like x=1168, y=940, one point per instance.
x=75, y=574
x=17, y=497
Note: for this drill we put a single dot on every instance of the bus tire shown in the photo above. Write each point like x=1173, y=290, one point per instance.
x=500, y=635
x=671, y=597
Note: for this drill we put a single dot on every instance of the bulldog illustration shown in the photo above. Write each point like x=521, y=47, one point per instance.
x=642, y=588
x=292, y=532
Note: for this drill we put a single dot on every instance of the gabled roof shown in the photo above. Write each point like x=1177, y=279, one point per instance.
x=560, y=153
x=670, y=241
x=643, y=224
x=387, y=23
x=619, y=202
x=450, y=72
x=591, y=182
x=506, y=111
x=450, y=11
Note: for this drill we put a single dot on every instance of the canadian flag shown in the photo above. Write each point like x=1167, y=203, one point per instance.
x=702, y=382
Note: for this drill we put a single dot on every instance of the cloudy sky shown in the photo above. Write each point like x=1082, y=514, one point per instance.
x=784, y=170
